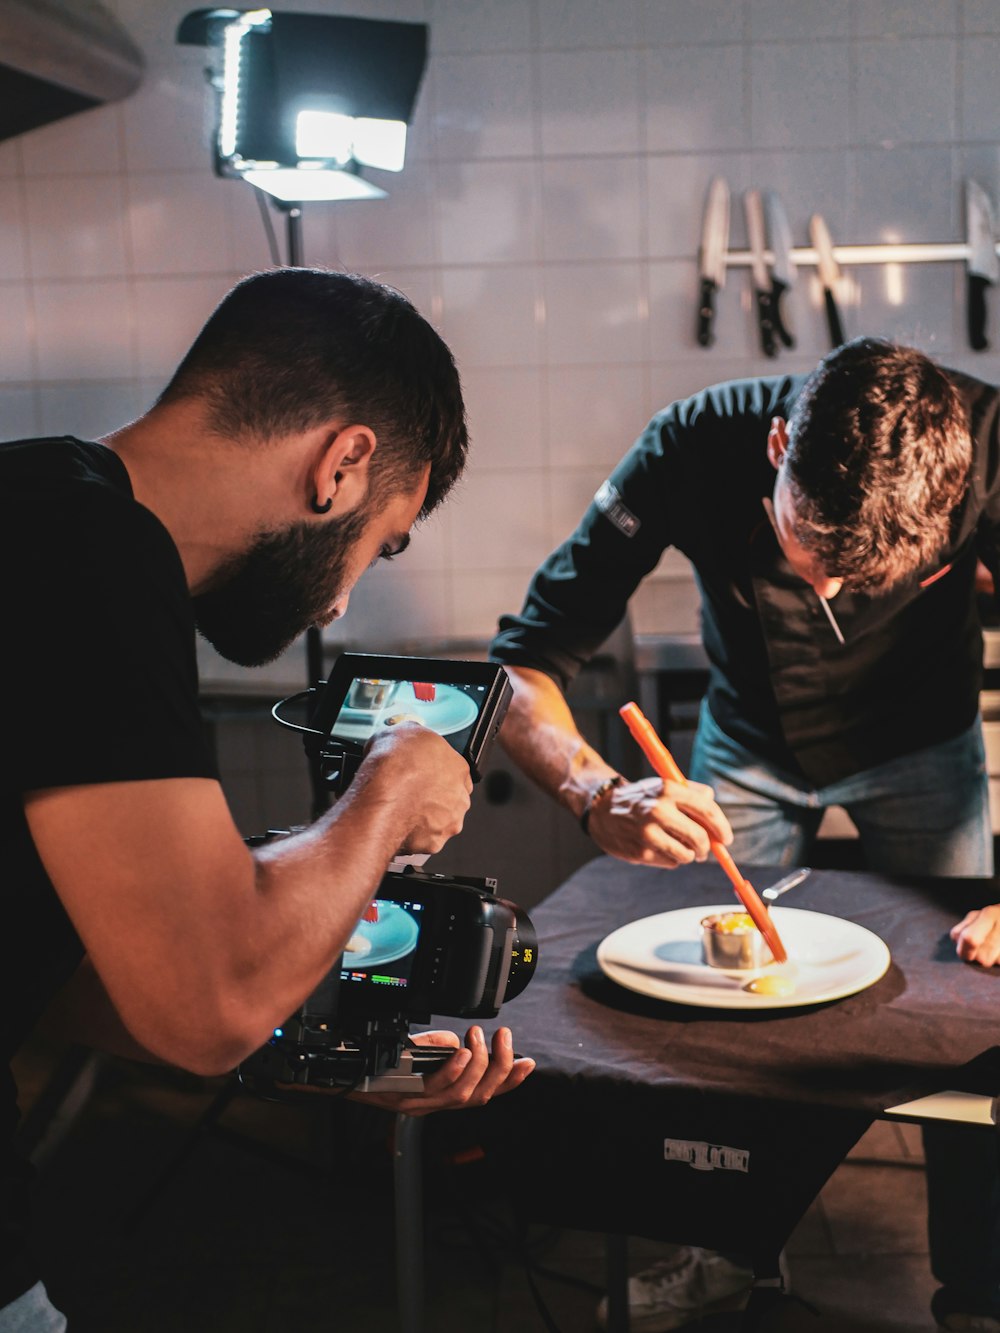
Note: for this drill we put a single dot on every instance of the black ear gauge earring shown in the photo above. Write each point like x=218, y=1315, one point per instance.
x=317, y=508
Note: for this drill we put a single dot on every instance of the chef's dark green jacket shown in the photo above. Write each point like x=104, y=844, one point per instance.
x=909, y=672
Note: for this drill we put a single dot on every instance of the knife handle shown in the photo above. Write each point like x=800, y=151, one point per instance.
x=976, y=311
x=778, y=288
x=765, y=321
x=706, y=312
x=833, y=318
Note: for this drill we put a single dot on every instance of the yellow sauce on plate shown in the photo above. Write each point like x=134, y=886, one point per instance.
x=771, y=984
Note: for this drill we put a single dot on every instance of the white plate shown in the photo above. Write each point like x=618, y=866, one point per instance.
x=661, y=956
x=390, y=938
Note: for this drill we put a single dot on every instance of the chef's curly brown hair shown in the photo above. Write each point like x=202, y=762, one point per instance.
x=290, y=349
x=878, y=457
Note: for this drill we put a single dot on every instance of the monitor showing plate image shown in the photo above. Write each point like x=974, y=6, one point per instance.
x=384, y=944
x=464, y=702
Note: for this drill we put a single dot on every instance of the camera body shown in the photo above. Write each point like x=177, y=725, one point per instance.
x=427, y=944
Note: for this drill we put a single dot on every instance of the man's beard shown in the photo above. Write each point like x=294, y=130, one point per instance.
x=262, y=600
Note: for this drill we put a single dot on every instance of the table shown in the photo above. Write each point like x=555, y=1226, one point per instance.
x=767, y=1103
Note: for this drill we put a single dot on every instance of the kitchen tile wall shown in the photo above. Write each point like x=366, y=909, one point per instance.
x=547, y=222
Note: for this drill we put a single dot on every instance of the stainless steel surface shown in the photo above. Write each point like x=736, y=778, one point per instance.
x=780, y=235
x=829, y=270
x=980, y=231
x=70, y=46
x=773, y=893
x=753, y=210
x=715, y=233
x=740, y=950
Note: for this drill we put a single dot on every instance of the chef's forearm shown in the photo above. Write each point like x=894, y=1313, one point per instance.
x=542, y=738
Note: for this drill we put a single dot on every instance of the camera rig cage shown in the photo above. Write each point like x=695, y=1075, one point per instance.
x=427, y=943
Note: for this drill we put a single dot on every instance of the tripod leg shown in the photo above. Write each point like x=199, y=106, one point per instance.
x=408, y=1172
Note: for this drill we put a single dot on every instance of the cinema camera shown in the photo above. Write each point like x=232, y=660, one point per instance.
x=427, y=944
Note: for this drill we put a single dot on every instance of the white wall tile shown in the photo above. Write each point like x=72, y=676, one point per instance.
x=484, y=106
x=390, y=606
x=499, y=519
x=887, y=207
x=670, y=22
x=90, y=141
x=676, y=192
x=177, y=222
x=11, y=158
x=595, y=313
x=980, y=107
x=905, y=18
x=980, y=16
x=592, y=419
x=567, y=24
x=592, y=208
x=490, y=25
x=491, y=316
x=367, y=233
x=505, y=413
x=696, y=98
x=171, y=312
x=75, y=226
x=17, y=347
x=572, y=489
x=917, y=305
x=13, y=233
x=799, y=94
x=18, y=413
x=904, y=91
x=480, y=598
x=780, y=20
x=673, y=314
x=589, y=101
x=169, y=123
x=84, y=330
x=486, y=211
x=89, y=409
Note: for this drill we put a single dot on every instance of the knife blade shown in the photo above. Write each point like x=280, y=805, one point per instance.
x=779, y=233
x=753, y=209
x=712, y=256
x=829, y=272
x=982, y=268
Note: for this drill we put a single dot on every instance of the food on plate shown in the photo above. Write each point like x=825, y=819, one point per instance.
x=425, y=691
x=394, y=719
x=731, y=940
x=358, y=945
x=771, y=983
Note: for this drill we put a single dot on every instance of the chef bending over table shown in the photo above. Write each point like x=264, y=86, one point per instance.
x=835, y=522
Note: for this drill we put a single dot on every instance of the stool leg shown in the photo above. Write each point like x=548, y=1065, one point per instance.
x=616, y=1250
x=408, y=1178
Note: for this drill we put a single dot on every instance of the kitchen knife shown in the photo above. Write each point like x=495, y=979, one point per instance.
x=829, y=272
x=712, y=256
x=982, y=268
x=753, y=208
x=779, y=234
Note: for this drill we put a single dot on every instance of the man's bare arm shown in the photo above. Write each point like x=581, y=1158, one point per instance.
x=203, y=946
x=649, y=822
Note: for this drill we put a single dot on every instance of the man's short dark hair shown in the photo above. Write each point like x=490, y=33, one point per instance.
x=878, y=457
x=291, y=348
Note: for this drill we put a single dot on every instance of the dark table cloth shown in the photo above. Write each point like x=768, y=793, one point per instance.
x=718, y=1127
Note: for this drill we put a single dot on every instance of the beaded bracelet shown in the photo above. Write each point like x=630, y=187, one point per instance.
x=598, y=794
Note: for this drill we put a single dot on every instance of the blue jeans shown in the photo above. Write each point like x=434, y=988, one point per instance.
x=928, y=814
x=32, y=1313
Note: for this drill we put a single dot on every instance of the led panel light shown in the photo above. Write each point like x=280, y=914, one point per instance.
x=310, y=95
x=299, y=185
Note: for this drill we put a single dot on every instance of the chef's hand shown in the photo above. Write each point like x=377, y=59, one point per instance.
x=977, y=936
x=657, y=823
x=474, y=1074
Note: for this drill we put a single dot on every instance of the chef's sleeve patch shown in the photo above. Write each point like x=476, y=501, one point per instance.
x=610, y=503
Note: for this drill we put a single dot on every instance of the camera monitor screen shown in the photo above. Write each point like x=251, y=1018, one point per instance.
x=464, y=702
x=381, y=952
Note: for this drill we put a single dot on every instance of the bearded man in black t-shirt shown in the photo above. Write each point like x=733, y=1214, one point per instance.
x=314, y=420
